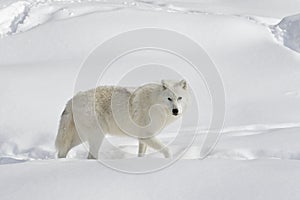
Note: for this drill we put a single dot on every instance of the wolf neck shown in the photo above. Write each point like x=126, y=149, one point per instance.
x=141, y=101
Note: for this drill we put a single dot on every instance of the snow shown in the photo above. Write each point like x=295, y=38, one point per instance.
x=191, y=179
x=41, y=50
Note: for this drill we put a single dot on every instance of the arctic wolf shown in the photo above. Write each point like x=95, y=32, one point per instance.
x=141, y=113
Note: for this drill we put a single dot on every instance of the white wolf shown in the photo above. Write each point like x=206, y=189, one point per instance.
x=120, y=111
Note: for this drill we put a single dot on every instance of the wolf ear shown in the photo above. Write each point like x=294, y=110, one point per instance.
x=183, y=84
x=164, y=84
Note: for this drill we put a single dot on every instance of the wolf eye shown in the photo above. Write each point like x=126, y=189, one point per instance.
x=169, y=99
x=179, y=98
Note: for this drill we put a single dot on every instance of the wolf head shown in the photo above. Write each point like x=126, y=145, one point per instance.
x=175, y=96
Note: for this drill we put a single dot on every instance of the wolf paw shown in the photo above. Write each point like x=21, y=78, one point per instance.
x=167, y=153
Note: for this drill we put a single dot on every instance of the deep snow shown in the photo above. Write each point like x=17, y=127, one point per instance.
x=257, y=157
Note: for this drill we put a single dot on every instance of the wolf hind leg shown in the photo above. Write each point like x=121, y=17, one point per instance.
x=94, y=146
x=62, y=153
x=67, y=136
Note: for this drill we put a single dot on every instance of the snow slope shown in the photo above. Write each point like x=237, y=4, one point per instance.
x=192, y=179
x=43, y=45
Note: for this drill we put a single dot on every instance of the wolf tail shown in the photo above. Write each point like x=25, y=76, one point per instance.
x=66, y=133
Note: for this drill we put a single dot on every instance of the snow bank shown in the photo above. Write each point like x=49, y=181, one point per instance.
x=288, y=32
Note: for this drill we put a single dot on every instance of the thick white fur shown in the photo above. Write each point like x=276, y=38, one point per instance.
x=141, y=113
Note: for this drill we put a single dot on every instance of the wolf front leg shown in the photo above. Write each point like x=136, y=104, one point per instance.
x=157, y=145
x=142, y=149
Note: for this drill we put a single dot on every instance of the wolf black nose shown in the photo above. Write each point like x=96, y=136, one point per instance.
x=175, y=111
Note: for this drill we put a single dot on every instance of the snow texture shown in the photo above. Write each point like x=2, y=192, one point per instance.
x=42, y=47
